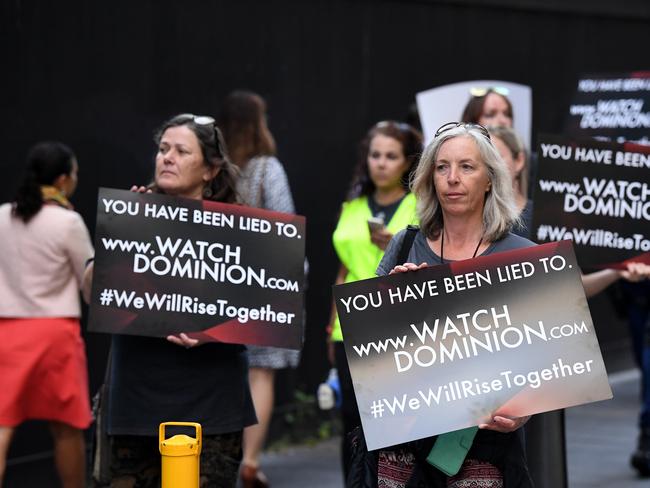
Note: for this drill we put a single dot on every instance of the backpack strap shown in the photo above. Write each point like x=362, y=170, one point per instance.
x=407, y=243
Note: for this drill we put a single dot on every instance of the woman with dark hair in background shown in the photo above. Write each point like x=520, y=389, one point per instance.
x=263, y=184
x=378, y=205
x=43, y=253
x=488, y=107
x=153, y=380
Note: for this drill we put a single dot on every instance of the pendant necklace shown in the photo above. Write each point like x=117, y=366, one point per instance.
x=442, y=247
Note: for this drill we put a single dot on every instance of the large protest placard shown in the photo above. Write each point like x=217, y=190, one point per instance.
x=448, y=347
x=615, y=106
x=228, y=273
x=596, y=194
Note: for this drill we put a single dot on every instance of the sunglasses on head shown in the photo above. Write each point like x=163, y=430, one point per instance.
x=480, y=91
x=404, y=127
x=199, y=119
x=204, y=120
x=452, y=125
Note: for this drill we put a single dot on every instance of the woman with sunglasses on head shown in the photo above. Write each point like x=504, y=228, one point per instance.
x=488, y=107
x=153, y=380
x=379, y=204
x=43, y=252
x=466, y=209
x=263, y=183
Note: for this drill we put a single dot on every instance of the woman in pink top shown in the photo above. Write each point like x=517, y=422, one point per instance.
x=43, y=252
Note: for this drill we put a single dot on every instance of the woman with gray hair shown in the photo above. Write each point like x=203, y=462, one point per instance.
x=466, y=209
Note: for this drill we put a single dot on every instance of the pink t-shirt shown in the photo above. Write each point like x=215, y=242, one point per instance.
x=42, y=262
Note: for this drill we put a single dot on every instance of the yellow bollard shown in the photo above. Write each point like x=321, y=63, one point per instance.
x=181, y=455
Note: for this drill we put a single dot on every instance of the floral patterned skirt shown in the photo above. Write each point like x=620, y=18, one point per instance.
x=395, y=468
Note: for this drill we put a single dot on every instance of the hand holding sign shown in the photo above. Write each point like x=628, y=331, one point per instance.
x=184, y=340
x=404, y=268
x=504, y=424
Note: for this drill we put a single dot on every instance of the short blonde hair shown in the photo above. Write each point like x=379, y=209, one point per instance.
x=500, y=212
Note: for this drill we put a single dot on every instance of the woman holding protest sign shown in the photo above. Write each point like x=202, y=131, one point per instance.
x=263, y=183
x=43, y=252
x=466, y=209
x=379, y=205
x=155, y=380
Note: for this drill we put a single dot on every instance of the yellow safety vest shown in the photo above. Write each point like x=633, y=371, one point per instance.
x=352, y=241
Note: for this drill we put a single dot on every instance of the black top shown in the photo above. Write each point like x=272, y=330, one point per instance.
x=386, y=212
x=154, y=381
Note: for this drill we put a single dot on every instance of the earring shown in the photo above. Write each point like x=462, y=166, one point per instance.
x=207, y=192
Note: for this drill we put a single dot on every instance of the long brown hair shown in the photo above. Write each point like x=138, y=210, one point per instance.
x=243, y=123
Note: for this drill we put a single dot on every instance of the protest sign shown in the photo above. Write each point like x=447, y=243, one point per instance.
x=448, y=347
x=227, y=273
x=614, y=106
x=596, y=194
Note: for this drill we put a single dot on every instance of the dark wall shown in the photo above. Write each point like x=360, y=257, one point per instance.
x=101, y=75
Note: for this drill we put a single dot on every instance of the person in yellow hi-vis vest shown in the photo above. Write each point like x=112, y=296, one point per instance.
x=378, y=206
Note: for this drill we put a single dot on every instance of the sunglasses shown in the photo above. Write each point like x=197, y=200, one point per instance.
x=479, y=91
x=204, y=120
x=404, y=127
x=452, y=125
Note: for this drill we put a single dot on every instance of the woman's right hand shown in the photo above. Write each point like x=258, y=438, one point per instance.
x=381, y=238
x=403, y=268
x=140, y=189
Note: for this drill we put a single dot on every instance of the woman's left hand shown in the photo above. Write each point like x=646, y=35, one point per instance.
x=636, y=272
x=184, y=340
x=504, y=424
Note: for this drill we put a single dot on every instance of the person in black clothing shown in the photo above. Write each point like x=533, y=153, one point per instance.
x=153, y=380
